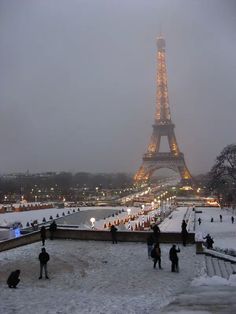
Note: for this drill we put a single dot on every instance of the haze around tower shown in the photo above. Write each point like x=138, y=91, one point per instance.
x=78, y=81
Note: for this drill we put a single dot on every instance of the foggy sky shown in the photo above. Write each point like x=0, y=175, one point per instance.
x=78, y=81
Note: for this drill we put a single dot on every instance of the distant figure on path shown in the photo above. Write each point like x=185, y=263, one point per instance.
x=52, y=229
x=43, y=234
x=13, y=279
x=113, y=234
x=156, y=255
x=232, y=219
x=43, y=258
x=150, y=243
x=220, y=218
x=174, y=258
x=184, y=232
x=209, y=241
x=199, y=221
x=156, y=231
x=212, y=219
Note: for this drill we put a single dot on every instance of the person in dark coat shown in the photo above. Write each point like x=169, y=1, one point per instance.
x=156, y=231
x=221, y=218
x=199, y=221
x=156, y=255
x=184, y=232
x=150, y=243
x=43, y=258
x=232, y=219
x=174, y=258
x=209, y=241
x=52, y=229
x=43, y=234
x=113, y=234
x=13, y=279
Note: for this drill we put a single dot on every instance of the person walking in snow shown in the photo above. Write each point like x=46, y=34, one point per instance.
x=156, y=232
x=199, y=221
x=156, y=255
x=220, y=218
x=43, y=234
x=113, y=231
x=13, y=279
x=150, y=243
x=209, y=241
x=184, y=232
x=174, y=258
x=232, y=219
x=43, y=258
x=52, y=229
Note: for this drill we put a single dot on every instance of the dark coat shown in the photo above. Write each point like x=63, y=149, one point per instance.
x=44, y=257
x=173, y=254
x=43, y=232
x=150, y=240
x=184, y=227
x=209, y=241
x=156, y=252
x=113, y=230
x=53, y=226
x=13, y=279
x=156, y=229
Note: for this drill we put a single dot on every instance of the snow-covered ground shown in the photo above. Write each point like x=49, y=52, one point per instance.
x=39, y=214
x=93, y=277
x=99, y=277
x=223, y=233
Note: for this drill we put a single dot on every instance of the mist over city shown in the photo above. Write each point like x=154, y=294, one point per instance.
x=118, y=156
x=78, y=82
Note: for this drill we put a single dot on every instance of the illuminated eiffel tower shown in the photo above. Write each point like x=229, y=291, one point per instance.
x=163, y=126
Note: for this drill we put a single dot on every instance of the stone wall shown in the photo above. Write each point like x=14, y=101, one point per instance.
x=94, y=235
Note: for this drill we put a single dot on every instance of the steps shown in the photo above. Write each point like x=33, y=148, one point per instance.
x=219, y=267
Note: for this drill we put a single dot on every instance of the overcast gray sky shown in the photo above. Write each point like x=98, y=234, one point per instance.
x=77, y=81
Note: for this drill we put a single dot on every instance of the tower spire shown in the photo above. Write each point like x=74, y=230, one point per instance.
x=162, y=99
x=163, y=126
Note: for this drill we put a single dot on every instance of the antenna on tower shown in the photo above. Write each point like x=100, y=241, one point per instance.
x=160, y=30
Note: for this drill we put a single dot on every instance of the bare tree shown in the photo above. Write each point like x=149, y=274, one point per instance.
x=223, y=175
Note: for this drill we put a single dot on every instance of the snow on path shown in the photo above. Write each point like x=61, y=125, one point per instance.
x=94, y=277
x=173, y=224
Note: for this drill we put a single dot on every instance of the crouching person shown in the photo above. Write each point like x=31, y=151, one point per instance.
x=13, y=279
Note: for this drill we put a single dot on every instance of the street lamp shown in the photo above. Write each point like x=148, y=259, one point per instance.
x=128, y=211
x=92, y=222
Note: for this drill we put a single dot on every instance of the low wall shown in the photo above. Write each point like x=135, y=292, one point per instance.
x=20, y=241
x=122, y=236
x=94, y=235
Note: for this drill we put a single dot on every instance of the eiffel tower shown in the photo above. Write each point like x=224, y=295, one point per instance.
x=163, y=126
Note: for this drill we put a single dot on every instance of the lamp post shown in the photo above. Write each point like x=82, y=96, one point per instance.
x=128, y=211
x=92, y=220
